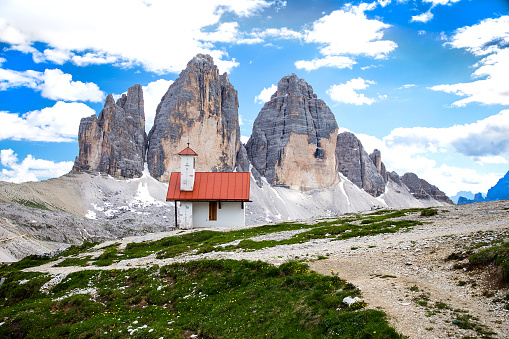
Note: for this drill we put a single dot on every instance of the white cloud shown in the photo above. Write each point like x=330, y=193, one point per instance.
x=57, y=85
x=487, y=137
x=424, y=17
x=491, y=160
x=407, y=86
x=59, y=123
x=265, y=94
x=281, y=33
x=441, y=2
x=329, y=61
x=408, y=158
x=124, y=32
x=483, y=38
x=349, y=32
x=346, y=93
x=53, y=84
x=152, y=95
x=244, y=139
x=226, y=32
x=412, y=149
x=30, y=169
x=487, y=39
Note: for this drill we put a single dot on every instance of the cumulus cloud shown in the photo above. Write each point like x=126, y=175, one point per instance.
x=151, y=42
x=424, y=17
x=30, y=169
x=347, y=93
x=487, y=137
x=407, y=86
x=411, y=150
x=329, y=61
x=409, y=158
x=59, y=123
x=487, y=39
x=152, y=95
x=349, y=32
x=428, y=16
x=265, y=94
x=52, y=83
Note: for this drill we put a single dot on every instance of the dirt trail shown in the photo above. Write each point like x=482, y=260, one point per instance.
x=406, y=275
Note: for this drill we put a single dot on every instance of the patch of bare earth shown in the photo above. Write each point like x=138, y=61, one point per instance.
x=407, y=275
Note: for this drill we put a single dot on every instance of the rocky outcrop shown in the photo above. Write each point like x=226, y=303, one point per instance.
x=421, y=189
x=355, y=164
x=200, y=108
x=294, y=138
x=114, y=143
x=376, y=157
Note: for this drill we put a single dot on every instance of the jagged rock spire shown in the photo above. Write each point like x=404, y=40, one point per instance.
x=114, y=143
x=294, y=138
x=200, y=107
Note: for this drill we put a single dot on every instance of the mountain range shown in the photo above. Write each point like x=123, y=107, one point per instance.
x=301, y=167
x=498, y=192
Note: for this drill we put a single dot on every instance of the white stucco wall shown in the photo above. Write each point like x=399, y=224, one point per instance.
x=186, y=172
x=186, y=215
x=230, y=214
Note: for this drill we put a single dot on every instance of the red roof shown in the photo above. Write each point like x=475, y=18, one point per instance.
x=212, y=186
x=187, y=151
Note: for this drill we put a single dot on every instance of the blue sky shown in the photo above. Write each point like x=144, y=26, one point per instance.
x=424, y=81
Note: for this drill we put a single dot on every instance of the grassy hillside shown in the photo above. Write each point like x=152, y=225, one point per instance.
x=206, y=298
x=212, y=299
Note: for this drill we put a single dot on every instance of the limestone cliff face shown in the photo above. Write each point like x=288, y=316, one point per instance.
x=423, y=190
x=200, y=107
x=114, y=143
x=294, y=138
x=376, y=157
x=355, y=163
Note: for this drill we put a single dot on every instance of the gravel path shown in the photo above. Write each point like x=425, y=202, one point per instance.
x=397, y=273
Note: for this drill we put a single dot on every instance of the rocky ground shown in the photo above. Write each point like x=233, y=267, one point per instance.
x=404, y=274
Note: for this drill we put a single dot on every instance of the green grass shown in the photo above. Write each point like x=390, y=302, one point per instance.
x=208, y=241
x=33, y=204
x=429, y=212
x=215, y=299
x=499, y=255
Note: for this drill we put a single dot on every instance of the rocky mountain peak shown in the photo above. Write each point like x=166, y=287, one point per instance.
x=423, y=190
x=200, y=108
x=114, y=143
x=501, y=190
x=294, y=138
x=360, y=168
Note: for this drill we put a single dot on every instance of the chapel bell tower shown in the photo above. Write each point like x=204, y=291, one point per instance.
x=187, y=166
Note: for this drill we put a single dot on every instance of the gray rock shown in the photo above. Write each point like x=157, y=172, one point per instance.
x=114, y=143
x=200, y=108
x=294, y=138
x=376, y=157
x=355, y=164
x=421, y=189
